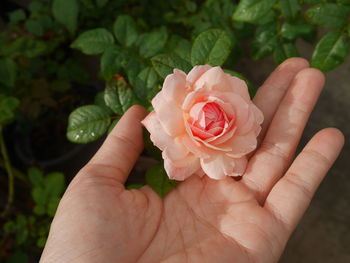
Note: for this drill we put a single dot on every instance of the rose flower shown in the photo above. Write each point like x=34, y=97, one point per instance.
x=204, y=123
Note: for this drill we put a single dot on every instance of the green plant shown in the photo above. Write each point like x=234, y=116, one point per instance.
x=45, y=45
x=140, y=53
x=31, y=229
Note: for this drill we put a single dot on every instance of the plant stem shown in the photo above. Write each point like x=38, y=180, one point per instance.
x=8, y=168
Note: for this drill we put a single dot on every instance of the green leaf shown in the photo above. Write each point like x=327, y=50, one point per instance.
x=54, y=185
x=158, y=180
x=211, y=47
x=111, y=61
x=344, y=2
x=101, y=3
x=146, y=84
x=66, y=12
x=87, y=123
x=252, y=10
x=94, y=41
x=52, y=206
x=264, y=43
x=119, y=96
x=333, y=16
x=7, y=106
x=330, y=51
x=164, y=64
x=41, y=242
x=17, y=16
x=152, y=43
x=35, y=6
x=35, y=176
x=39, y=196
x=39, y=210
x=283, y=51
x=8, y=72
x=24, y=46
x=292, y=31
x=125, y=30
x=180, y=46
x=34, y=27
x=289, y=8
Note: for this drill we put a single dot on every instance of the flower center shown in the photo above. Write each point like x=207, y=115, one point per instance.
x=207, y=119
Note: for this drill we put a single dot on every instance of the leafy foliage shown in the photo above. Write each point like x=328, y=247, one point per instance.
x=135, y=47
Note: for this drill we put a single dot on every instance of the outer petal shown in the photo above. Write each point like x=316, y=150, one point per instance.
x=238, y=86
x=218, y=166
x=214, y=79
x=180, y=173
x=259, y=116
x=197, y=148
x=196, y=72
x=239, y=167
x=242, y=145
x=174, y=87
x=176, y=150
x=169, y=115
x=171, y=147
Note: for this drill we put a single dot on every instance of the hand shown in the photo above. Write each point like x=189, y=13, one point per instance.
x=201, y=220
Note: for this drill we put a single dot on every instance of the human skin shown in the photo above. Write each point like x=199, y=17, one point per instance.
x=201, y=220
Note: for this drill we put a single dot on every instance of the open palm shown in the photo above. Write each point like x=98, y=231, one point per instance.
x=201, y=220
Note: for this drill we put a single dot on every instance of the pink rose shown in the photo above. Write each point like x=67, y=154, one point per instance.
x=205, y=123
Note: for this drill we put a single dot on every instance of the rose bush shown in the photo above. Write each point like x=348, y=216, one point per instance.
x=204, y=123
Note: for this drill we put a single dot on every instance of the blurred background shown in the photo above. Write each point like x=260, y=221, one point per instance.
x=70, y=68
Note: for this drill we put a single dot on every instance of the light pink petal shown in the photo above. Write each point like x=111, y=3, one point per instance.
x=242, y=145
x=196, y=147
x=227, y=134
x=259, y=116
x=158, y=136
x=197, y=132
x=242, y=113
x=225, y=148
x=180, y=173
x=196, y=72
x=196, y=111
x=171, y=147
x=238, y=86
x=239, y=167
x=218, y=166
x=174, y=87
x=176, y=150
x=169, y=115
x=214, y=79
x=248, y=125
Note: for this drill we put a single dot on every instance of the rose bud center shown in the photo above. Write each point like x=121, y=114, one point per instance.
x=207, y=119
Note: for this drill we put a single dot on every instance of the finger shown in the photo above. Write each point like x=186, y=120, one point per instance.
x=291, y=196
x=122, y=147
x=270, y=94
x=275, y=154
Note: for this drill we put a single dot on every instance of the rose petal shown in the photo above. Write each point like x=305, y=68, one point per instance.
x=239, y=167
x=180, y=173
x=213, y=78
x=238, y=86
x=169, y=115
x=176, y=150
x=196, y=148
x=174, y=87
x=218, y=166
x=241, y=145
x=196, y=72
x=171, y=147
